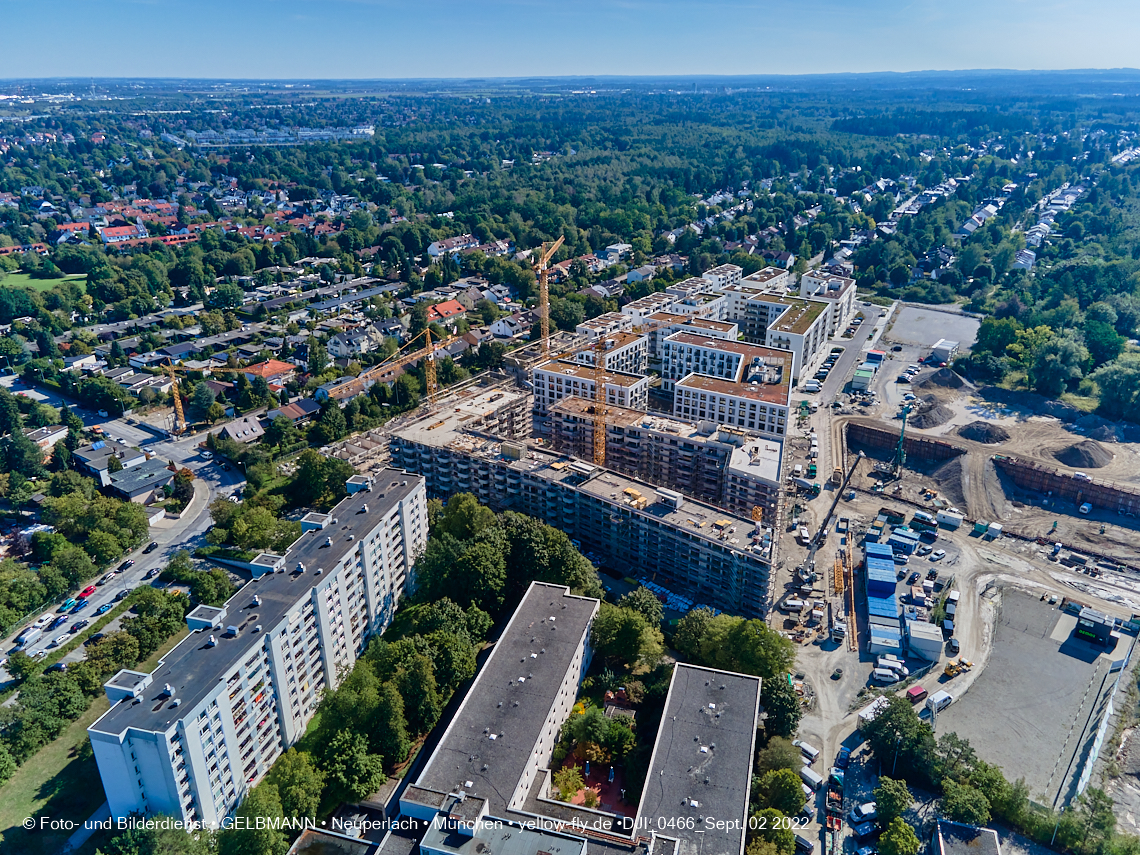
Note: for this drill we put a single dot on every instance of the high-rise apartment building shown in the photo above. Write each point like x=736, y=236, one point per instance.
x=191, y=738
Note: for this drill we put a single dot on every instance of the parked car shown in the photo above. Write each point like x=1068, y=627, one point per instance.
x=938, y=555
x=126, y=565
x=60, y=639
x=80, y=607
x=902, y=378
x=843, y=758
x=932, y=573
x=866, y=812
x=87, y=592
x=58, y=666
x=151, y=573
x=96, y=637
x=103, y=609
x=914, y=577
x=151, y=547
x=122, y=595
x=78, y=625
x=59, y=621
x=864, y=829
x=69, y=605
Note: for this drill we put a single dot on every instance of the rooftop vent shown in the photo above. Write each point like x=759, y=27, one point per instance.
x=213, y=642
x=177, y=702
x=328, y=541
x=257, y=628
x=168, y=690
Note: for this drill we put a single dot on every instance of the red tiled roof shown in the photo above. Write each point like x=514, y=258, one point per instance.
x=269, y=368
x=446, y=309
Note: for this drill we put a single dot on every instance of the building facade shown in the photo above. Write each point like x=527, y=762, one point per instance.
x=624, y=352
x=840, y=291
x=191, y=738
x=554, y=381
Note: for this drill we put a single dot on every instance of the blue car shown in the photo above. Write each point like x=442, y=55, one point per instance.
x=82, y=605
x=103, y=609
x=69, y=605
x=843, y=758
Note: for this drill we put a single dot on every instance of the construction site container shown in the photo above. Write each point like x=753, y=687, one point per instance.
x=949, y=519
x=981, y=526
x=994, y=530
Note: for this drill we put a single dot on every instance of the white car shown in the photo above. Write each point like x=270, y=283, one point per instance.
x=938, y=555
x=59, y=639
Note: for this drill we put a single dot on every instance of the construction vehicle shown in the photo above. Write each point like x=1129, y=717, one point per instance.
x=837, y=476
x=952, y=670
x=965, y=665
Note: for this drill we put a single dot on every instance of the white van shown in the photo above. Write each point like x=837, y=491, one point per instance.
x=811, y=778
x=809, y=751
x=812, y=386
x=885, y=676
x=939, y=701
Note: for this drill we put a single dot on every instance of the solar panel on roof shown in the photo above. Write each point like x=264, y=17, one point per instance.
x=95, y=446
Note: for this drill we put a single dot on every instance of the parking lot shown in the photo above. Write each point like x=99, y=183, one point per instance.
x=1047, y=684
x=923, y=325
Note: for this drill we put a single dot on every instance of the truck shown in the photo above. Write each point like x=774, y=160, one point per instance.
x=837, y=476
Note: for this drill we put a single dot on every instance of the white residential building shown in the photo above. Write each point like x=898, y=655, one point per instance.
x=758, y=403
x=605, y=324
x=839, y=290
x=190, y=739
x=554, y=381
x=624, y=351
x=723, y=275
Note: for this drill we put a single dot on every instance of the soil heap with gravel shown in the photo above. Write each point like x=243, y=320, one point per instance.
x=948, y=477
x=929, y=413
x=986, y=432
x=1087, y=454
x=943, y=377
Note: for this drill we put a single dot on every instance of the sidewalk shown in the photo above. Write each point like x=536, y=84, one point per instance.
x=197, y=504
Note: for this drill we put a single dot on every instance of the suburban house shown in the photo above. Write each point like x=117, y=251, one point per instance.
x=273, y=370
x=243, y=430
x=451, y=245
x=142, y=483
x=349, y=343
x=513, y=326
x=297, y=412
x=95, y=459
x=641, y=274
x=46, y=437
x=445, y=310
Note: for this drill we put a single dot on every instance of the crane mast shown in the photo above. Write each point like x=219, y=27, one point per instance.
x=544, y=292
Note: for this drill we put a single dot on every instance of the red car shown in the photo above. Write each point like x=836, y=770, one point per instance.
x=86, y=592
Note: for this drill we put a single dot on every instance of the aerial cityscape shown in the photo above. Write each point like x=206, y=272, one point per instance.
x=742, y=459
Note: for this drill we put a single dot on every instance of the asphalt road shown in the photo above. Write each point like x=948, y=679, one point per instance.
x=171, y=535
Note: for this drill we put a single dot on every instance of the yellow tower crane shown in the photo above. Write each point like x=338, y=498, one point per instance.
x=429, y=368
x=544, y=292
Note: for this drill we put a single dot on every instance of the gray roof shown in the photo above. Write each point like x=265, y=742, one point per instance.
x=193, y=669
x=494, y=732
x=955, y=838
x=148, y=475
x=702, y=759
x=491, y=838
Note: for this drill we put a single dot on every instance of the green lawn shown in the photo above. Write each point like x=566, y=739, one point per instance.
x=21, y=280
x=60, y=782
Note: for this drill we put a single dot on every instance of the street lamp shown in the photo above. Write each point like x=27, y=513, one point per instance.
x=1055, y=827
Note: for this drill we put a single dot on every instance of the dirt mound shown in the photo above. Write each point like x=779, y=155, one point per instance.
x=1107, y=433
x=986, y=432
x=943, y=377
x=949, y=477
x=929, y=413
x=1087, y=454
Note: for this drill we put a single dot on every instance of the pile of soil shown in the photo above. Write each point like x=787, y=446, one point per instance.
x=930, y=414
x=1087, y=454
x=1107, y=433
x=948, y=477
x=943, y=377
x=986, y=432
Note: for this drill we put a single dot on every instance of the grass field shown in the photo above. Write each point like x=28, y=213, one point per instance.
x=60, y=782
x=22, y=280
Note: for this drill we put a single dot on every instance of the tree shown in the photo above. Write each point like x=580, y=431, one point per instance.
x=7, y=763
x=900, y=740
x=771, y=825
x=996, y=334
x=482, y=573
x=215, y=412
x=417, y=685
x=690, y=630
x=21, y=665
x=1103, y=342
x=351, y=767
x=390, y=736
x=318, y=358
x=781, y=789
x=251, y=837
x=781, y=707
x=299, y=783
x=644, y=602
x=1056, y=363
x=892, y=798
x=463, y=517
x=779, y=753
x=203, y=397
x=747, y=646
x=899, y=839
x=1119, y=384
x=568, y=780
x=623, y=637
x=963, y=803
x=280, y=432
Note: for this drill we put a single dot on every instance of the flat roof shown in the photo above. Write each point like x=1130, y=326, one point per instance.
x=743, y=349
x=759, y=458
x=702, y=759
x=193, y=668
x=765, y=275
x=586, y=372
x=455, y=413
x=485, y=748
x=769, y=393
x=955, y=838
x=802, y=312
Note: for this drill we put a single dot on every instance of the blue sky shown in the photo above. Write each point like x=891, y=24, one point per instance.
x=503, y=38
